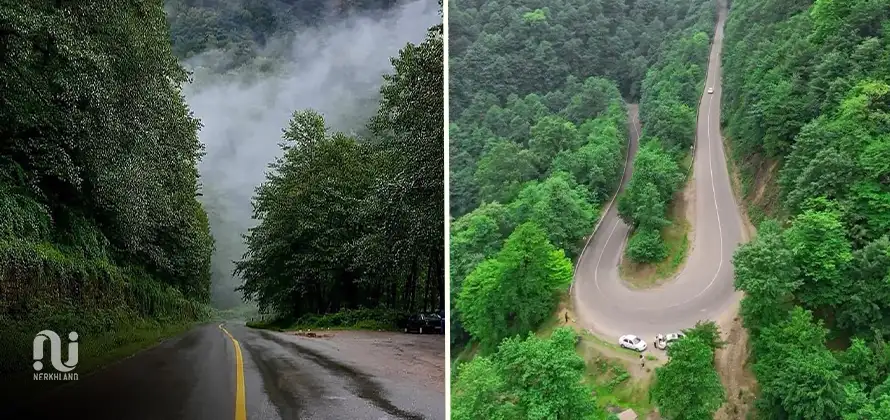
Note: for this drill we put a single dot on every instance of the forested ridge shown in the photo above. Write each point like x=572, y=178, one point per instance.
x=538, y=139
x=245, y=29
x=103, y=231
x=807, y=90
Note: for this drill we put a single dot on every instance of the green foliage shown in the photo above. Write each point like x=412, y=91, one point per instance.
x=560, y=207
x=804, y=85
x=534, y=378
x=101, y=231
x=501, y=165
x=688, y=387
x=347, y=223
x=821, y=252
x=861, y=308
x=708, y=332
x=502, y=170
x=550, y=136
x=764, y=269
x=474, y=238
x=518, y=47
x=513, y=292
x=798, y=376
x=535, y=16
x=644, y=202
x=656, y=176
x=646, y=246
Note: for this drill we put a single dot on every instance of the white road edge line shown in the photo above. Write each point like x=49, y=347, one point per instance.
x=603, y=217
x=596, y=267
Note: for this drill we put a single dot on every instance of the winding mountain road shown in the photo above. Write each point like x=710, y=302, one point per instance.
x=704, y=288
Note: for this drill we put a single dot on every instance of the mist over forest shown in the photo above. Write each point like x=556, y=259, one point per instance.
x=333, y=65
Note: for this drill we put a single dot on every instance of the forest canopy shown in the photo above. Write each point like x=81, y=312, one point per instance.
x=807, y=90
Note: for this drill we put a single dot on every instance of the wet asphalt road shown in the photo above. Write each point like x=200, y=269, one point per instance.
x=193, y=377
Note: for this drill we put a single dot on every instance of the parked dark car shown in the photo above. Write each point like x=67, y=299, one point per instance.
x=424, y=323
x=441, y=314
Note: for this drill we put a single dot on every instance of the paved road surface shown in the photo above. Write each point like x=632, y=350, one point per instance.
x=194, y=377
x=704, y=289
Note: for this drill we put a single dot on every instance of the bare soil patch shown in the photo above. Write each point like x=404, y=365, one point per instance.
x=732, y=365
x=732, y=360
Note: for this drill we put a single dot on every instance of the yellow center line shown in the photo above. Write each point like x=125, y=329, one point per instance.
x=240, y=410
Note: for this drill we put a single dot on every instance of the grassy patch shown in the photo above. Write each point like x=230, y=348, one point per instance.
x=610, y=379
x=586, y=336
x=126, y=341
x=347, y=319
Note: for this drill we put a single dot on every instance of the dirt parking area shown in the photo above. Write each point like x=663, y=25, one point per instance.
x=412, y=357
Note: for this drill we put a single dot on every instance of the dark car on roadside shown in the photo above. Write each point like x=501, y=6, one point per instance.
x=424, y=323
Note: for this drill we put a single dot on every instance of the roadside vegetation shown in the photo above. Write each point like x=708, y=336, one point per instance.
x=807, y=94
x=536, y=154
x=100, y=229
x=347, y=319
x=347, y=222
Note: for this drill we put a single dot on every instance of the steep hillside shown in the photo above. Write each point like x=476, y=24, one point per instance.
x=100, y=229
x=807, y=98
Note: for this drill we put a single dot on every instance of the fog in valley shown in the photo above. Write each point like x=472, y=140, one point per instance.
x=336, y=69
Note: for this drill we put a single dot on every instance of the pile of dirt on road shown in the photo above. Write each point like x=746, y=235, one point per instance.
x=310, y=334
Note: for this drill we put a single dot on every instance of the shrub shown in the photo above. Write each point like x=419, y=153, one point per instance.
x=646, y=246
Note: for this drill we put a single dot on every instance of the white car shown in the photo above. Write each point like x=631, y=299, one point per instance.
x=632, y=342
x=710, y=90
x=663, y=341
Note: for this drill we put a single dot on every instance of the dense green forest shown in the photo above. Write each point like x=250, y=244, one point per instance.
x=103, y=229
x=489, y=42
x=807, y=88
x=537, y=143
